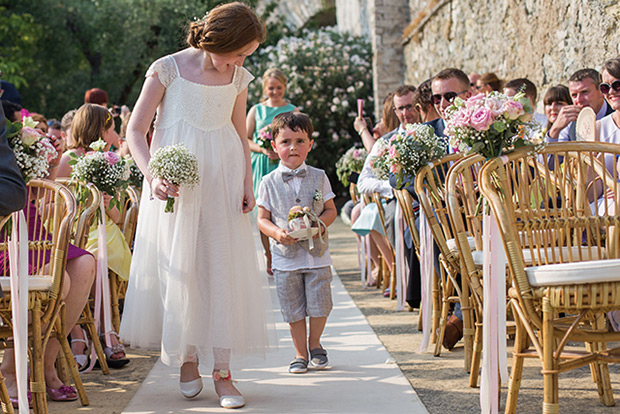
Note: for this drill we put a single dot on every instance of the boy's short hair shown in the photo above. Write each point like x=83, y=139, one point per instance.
x=295, y=121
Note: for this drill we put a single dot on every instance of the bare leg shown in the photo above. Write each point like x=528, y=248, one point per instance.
x=384, y=247
x=298, y=333
x=317, y=325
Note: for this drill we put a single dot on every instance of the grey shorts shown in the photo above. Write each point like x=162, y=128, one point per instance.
x=304, y=292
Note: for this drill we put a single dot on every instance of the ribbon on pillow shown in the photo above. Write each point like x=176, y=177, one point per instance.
x=311, y=216
x=18, y=261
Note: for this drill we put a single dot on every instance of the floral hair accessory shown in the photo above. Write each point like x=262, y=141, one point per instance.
x=222, y=374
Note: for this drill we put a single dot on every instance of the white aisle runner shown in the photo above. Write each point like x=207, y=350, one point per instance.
x=359, y=381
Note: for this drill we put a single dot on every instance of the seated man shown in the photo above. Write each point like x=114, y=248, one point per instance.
x=583, y=86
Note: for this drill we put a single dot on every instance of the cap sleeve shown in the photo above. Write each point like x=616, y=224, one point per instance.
x=165, y=70
x=242, y=79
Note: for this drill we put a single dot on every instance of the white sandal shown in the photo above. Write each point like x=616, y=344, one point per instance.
x=82, y=359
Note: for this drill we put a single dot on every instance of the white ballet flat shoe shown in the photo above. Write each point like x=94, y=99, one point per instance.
x=232, y=401
x=192, y=388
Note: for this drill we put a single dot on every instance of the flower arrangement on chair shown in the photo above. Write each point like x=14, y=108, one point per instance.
x=490, y=124
x=106, y=170
x=351, y=162
x=33, y=150
x=406, y=152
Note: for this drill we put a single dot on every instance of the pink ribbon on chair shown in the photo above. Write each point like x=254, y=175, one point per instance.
x=426, y=270
x=18, y=261
x=102, y=286
x=494, y=363
x=401, y=268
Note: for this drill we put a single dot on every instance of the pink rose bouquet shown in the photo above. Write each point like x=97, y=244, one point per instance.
x=406, y=152
x=490, y=124
x=264, y=137
x=33, y=150
x=104, y=169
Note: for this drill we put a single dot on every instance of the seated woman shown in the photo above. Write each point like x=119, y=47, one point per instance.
x=79, y=277
x=90, y=122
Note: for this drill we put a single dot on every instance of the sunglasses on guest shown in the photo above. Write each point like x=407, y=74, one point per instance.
x=448, y=96
x=605, y=88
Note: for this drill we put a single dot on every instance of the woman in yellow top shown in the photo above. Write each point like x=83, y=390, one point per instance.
x=90, y=123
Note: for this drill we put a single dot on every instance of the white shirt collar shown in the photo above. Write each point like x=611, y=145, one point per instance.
x=284, y=168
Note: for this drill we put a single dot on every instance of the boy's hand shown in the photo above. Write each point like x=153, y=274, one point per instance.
x=283, y=237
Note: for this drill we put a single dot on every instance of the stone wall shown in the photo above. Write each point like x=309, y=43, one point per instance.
x=296, y=12
x=543, y=40
x=387, y=19
x=353, y=16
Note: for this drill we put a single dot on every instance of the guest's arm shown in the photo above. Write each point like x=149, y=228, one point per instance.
x=367, y=183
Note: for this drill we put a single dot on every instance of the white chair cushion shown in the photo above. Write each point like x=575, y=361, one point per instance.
x=453, y=247
x=38, y=283
x=527, y=254
x=576, y=273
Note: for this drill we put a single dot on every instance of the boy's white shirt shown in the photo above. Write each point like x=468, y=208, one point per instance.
x=303, y=259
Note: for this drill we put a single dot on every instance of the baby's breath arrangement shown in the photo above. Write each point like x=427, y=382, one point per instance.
x=106, y=170
x=406, y=152
x=351, y=162
x=33, y=150
x=176, y=164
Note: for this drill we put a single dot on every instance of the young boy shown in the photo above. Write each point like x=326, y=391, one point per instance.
x=302, y=274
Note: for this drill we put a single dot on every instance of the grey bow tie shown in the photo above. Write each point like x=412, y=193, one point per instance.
x=288, y=175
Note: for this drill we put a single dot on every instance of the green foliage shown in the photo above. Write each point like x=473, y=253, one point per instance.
x=327, y=71
x=19, y=36
x=58, y=49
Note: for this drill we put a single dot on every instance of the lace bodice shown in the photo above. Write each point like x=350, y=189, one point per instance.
x=206, y=107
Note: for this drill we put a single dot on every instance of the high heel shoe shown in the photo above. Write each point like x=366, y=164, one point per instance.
x=228, y=401
x=191, y=388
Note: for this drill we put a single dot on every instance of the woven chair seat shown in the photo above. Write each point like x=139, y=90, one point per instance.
x=35, y=283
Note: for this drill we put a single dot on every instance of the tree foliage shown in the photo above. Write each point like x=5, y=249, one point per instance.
x=60, y=48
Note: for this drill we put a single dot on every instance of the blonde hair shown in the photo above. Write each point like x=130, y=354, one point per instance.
x=275, y=73
x=226, y=28
x=89, y=122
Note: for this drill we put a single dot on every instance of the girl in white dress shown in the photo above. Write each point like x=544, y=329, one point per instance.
x=194, y=287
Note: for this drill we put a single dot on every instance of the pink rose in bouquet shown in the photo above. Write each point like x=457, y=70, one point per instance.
x=111, y=157
x=513, y=110
x=30, y=135
x=481, y=119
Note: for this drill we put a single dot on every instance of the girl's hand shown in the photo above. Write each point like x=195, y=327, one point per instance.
x=248, y=199
x=271, y=154
x=162, y=189
x=283, y=237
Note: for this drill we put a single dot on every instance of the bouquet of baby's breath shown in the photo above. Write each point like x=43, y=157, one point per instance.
x=351, y=162
x=406, y=152
x=176, y=164
x=106, y=170
x=33, y=150
x=135, y=175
